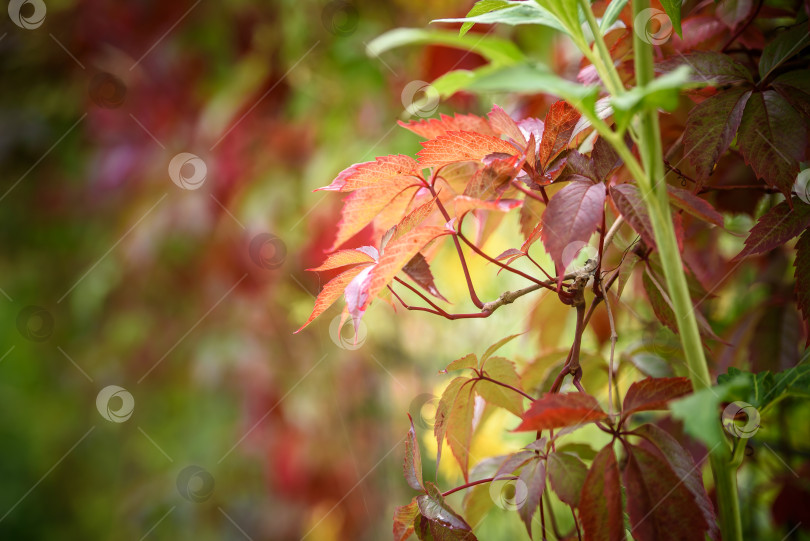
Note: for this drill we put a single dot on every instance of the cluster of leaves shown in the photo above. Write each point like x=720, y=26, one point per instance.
x=567, y=185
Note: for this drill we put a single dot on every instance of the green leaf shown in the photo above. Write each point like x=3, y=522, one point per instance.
x=567, y=12
x=700, y=411
x=460, y=425
x=502, y=370
x=531, y=79
x=468, y=361
x=495, y=347
x=477, y=503
x=764, y=389
x=506, y=12
x=567, y=473
x=662, y=93
x=612, y=14
x=673, y=9
x=413, y=460
x=782, y=48
x=496, y=50
x=443, y=411
x=461, y=79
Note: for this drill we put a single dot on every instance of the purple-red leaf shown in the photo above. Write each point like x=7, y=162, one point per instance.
x=660, y=506
x=709, y=67
x=413, y=460
x=556, y=410
x=570, y=218
x=654, y=394
x=628, y=200
x=533, y=477
x=711, y=127
x=600, y=504
x=418, y=270
x=559, y=125
x=776, y=227
x=694, y=205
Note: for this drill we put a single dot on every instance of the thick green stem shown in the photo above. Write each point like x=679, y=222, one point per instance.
x=654, y=192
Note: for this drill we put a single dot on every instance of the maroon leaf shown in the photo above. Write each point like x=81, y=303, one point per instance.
x=802, y=274
x=631, y=206
x=572, y=215
x=772, y=139
x=654, y=393
x=711, y=127
x=794, y=86
x=600, y=504
x=604, y=159
x=660, y=506
x=684, y=467
x=694, y=205
x=533, y=477
x=413, y=460
x=579, y=167
x=404, y=517
x=776, y=227
x=567, y=474
x=444, y=523
x=419, y=271
x=556, y=410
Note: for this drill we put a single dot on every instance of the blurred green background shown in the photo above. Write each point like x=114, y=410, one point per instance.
x=223, y=424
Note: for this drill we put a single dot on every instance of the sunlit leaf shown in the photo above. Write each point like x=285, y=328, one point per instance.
x=331, y=292
x=502, y=370
x=461, y=146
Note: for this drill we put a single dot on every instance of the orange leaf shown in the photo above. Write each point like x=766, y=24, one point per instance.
x=503, y=124
x=363, y=175
x=341, y=258
x=430, y=128
x=361, y=206
x=559, y=126
x=331, y=291
x=461, y=146
x=557, y=410
x=397, y=254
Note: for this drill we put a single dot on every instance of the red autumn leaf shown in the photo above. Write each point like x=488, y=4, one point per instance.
x=559, y=125
x=628, y=200
x=660, y=506
x=772, y=139
x=503, y=124
x=418, y=270
x=605, y=159
x=342, y=258
x=396, y=255
x=431, y=128
x=776, y=227
x=412, y=465
x=654, y=393
x=684, y=467
x=556, y=410
x=802, y=275
x=491, y=180
x=331, y=291
x=413, y=219
x=362, y=206
x=600, y=504
x=570, y=218
x=694, y=205
x=366, y=174
x=460, y=146
x=404, y=517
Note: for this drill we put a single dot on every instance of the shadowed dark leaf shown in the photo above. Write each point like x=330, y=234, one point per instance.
x=654, y=393
x=600, y=504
